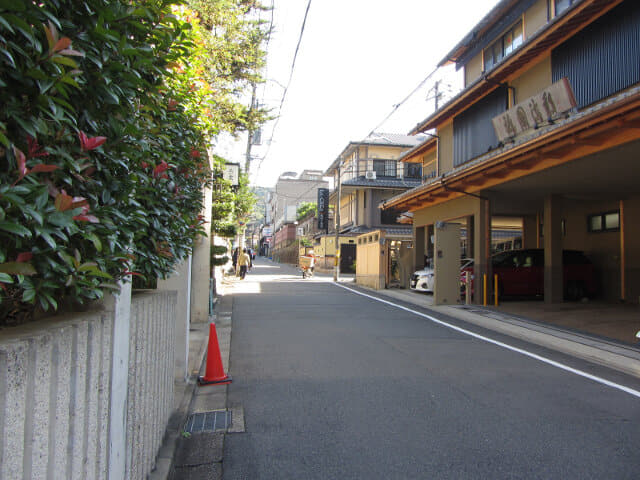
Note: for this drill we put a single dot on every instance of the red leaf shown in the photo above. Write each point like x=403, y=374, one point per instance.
x=22, y=162
x=163, y=167
x=90, y=143
x=63, y=202
x=61, y=44
x=172, y=104
x=87, y=218
x=132, y=273
x=34, y=148
x=24, y=257
x=145, y=165
x=195, y=153
x=41, y=167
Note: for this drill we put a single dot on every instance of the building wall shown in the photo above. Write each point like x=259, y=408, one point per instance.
x=473, y=69
x=290, y=192
x=535, y=17
x=631, y=234
x=533, y=80
x=603, y=248
x=445, y=132
x=388, y=153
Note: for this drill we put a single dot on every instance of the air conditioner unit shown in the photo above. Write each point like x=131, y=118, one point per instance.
x=370, y=175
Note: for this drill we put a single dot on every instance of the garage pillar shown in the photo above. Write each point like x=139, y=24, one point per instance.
x=553, y=287
x=481, y=248
x=418, y=248
x=470, y=237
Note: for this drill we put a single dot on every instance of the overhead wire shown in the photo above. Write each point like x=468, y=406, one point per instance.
x=398, y=105
x=286, y=88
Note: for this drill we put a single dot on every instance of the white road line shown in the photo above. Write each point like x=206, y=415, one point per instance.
x=567, y=368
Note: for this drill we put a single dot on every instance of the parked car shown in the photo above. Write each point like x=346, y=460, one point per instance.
x=423, y=280
x=521, y=273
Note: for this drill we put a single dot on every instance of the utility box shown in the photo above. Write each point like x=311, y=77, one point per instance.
x=446, y=264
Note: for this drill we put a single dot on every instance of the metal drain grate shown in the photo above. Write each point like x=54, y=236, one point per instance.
x=214, y=421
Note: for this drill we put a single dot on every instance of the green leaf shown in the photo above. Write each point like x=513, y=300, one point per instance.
x=29, y=295
x=69, y=62
x=95, y=240
x=15, y=229
x=17, y=268
x=5, y=278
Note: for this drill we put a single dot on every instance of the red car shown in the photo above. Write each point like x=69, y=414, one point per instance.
x=521, y=273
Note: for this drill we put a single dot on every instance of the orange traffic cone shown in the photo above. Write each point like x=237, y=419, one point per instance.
x=214, y=374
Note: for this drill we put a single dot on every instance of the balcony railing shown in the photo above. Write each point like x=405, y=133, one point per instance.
x=382, y=169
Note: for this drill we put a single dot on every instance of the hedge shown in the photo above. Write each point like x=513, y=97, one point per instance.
x=103, y=160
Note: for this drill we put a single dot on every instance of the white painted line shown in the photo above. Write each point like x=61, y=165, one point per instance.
x=561, y=366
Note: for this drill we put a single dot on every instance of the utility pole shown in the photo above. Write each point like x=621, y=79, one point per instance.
x=336, y=271
x=247, y=160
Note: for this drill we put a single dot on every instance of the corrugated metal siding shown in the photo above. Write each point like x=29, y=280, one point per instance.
x=604, y=58
x=473, y=132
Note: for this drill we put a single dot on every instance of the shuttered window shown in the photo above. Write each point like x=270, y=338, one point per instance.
x=603, y=58
x=473, y=132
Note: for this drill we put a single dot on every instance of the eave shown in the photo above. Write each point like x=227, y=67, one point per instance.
x=412, y=156
x=534, y=49
x=602, y=127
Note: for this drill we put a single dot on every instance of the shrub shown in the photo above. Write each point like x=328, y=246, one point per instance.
x=102, y=162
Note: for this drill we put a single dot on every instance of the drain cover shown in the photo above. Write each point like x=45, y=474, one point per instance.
x=213, y=421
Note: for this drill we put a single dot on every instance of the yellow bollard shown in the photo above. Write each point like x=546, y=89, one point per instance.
x=495, y=289
x=484, y=293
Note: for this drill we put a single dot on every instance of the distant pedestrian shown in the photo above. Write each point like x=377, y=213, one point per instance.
x=243, y=263
x=234, y=258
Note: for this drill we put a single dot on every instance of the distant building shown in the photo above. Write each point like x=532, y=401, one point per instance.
x=290, y=191
x=367, y=173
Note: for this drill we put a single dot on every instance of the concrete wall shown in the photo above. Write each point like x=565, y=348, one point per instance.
x=54, y=398
x=150, y=395
x=55, y=392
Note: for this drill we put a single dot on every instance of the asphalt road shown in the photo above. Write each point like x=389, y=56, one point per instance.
x=335, y=385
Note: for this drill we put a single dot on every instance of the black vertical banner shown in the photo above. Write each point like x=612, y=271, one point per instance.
x=323, y=209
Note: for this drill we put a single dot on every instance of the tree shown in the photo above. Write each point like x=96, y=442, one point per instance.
x=306, y=209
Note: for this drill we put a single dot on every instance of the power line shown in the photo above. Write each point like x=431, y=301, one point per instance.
x=286, y=88
x=398, y=105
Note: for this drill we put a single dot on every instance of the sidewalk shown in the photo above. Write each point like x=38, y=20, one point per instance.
x=198, y=455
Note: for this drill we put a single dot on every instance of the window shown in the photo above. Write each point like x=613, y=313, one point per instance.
x=556, y=7
x=604, y=222
x=502, y=47
x=389, y=216
x=412, y=170
x=384, y=168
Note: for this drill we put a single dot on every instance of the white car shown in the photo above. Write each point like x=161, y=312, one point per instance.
x=423, y=280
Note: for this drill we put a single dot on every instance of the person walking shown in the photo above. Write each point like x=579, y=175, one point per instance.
x=234, y=259
x=243, y=263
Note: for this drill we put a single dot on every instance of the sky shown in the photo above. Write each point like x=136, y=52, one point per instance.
x=357, y=59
